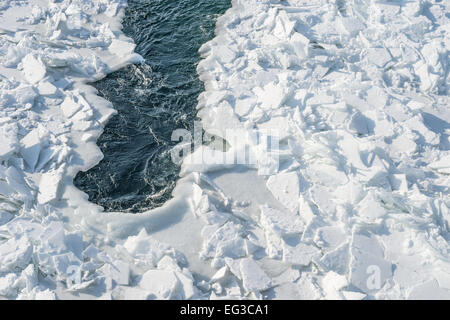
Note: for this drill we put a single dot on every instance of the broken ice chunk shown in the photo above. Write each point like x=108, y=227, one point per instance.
x=332, y=284
x=278, y=126
x=370, y=208
x=351, y=25
x=70, y=106
x=429, y=290
x=300, y=255
x=121, y=48
x=224, y=54
x=308, y=289
x=377, y=97
x=404, y=144
x=368, y=268
x=417, y=124
x=136, y=294
x=379, y=56
x=329, y=175
x=8, y=140
x=118, y=271
x=280, y=222
x=163, y=284
x=300, y=44
x=187, y=284
x=442, y=166
x=399, y=183
x=428, y=80
x=337, y=260
x=7, y=287
x=320, y=98
x=253, y=277
x=360, y=124
x=329, y=237
x=15, y=253
x=145, y=249
x=244, y=106
x=273, y=95
x=224, y=241
x=32, y=144
x=286, y=188
x=283, y=26
x=220, y=274
x=33, y=68
x=47, y=88
x=49, y=186
x=352, y=295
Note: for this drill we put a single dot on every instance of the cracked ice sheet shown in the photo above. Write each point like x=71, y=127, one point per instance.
x=48, y=116
x=363, y=149
x=363, y=153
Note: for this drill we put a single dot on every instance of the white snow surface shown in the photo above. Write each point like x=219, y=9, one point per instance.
x=358, y=208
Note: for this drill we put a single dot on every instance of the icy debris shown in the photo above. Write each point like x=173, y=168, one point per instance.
x=308, y=288
x=300, y=255
x=7, y=285
x=370, y=208
x=46, y=88
x=286, y=188
x=352, y=295
x=351, y=25
x=327, y=174
x=368, y=268
x=417, y=122
x=8, y=140
x=330, y=237
x=167, y=284
x=300, y=44
x=135, y=293
x=122, y=48
x=31, y=146
x=273, y=95
x=118, y=271
x=163, y=284
x=146, y=250
x=429, y=291
x=5, y=217
x=283, y=26
x=332, y=284
x=43, y=72
x=15, y=253
x=223, y=241
x=360, y=124
x=442, y=165
x=253, y=277
x=378, y=56
x=220, y=274
x=33, y=68
x=320, y=99
x=70, y=107
x=350, y=99
x=336, y=260
x=49, y=186
x=281, y=223
x=226, y=54
x=399, y=182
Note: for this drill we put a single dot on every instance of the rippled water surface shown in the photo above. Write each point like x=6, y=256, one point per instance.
x=152, y=100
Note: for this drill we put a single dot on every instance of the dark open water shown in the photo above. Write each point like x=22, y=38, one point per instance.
x=152, y=100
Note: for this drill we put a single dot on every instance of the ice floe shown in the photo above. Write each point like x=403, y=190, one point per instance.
x=350, y=86
x=352, y=204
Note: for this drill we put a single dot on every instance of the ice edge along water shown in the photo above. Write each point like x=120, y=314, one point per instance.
x=358, y=208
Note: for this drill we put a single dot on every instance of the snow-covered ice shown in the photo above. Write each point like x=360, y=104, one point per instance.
x=358, y=207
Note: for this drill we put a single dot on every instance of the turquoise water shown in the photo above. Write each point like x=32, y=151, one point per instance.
x=152, y=100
